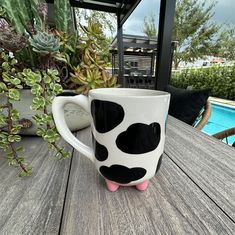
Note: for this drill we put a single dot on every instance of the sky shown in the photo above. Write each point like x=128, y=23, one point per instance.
x=224, y=13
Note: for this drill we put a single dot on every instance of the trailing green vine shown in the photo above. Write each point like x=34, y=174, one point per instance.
x=44, y=86
x=9, y=117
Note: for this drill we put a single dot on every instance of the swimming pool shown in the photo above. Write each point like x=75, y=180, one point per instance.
x=222, y=117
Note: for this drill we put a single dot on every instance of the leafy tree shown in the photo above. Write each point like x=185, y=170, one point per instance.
x=149, y=27
x=226, y=43
x=194, y=31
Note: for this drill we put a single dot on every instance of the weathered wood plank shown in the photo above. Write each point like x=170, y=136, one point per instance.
x=207, y=161
x=33, y=205
x=172, y=204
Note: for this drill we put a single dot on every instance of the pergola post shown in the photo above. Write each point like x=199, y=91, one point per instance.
x=164, y=46
x=120, y=48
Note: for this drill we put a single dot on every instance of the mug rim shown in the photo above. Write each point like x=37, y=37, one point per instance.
x=128, y=93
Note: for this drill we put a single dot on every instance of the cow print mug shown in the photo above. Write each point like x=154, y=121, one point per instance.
x=128, y=132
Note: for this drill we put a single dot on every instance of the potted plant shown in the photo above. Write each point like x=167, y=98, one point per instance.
x=46, y=62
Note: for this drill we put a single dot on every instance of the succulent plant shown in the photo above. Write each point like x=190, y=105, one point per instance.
x=45, y=43
x=10, y=125
x=91, y=72
x=93, y=29
x=11, y=41
x=44, y=85
x=2, y=11
x=92, y=78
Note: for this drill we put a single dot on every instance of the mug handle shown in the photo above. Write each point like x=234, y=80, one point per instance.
x=58, y=114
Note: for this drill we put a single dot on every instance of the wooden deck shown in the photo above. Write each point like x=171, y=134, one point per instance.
x=193, y=192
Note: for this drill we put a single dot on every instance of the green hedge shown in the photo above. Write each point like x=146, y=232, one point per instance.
x=219, y=79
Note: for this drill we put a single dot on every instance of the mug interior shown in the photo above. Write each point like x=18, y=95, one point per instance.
x=127, y=92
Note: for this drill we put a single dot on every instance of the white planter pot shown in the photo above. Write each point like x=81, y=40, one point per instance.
x=76, y=117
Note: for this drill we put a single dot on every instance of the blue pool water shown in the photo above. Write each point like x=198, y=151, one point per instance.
x=222, y=117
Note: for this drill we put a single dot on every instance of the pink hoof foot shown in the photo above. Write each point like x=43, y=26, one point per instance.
x=112, y=187
x=142, y=186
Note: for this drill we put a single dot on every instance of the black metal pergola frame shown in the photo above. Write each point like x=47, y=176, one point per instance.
x=135, y=46
x=123, y=9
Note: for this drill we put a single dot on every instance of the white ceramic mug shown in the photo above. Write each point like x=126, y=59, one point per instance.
x=128, y=132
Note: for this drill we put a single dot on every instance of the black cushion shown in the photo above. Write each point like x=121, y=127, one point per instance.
x=186, y=105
